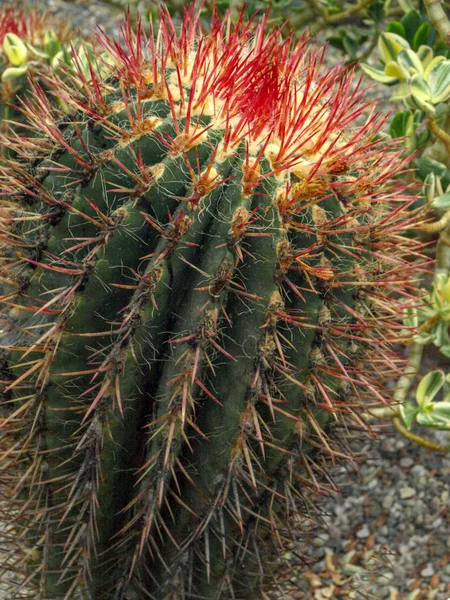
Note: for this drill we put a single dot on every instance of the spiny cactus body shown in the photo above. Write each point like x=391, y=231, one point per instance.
x=199, y=265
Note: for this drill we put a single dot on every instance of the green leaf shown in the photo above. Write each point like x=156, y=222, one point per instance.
x=14, y=49
x=406, y=5
x=336, y=42
x=14, y=73
x=439, y=81
x=411, y=22
x=411, y=317
x=51, y=44
x=429, y=187
x=442, y=202
x=397, y=28
x=428, y=387
x=389, y=45
x=416, y=102
x=445, y=350
x=378, y=74
x=351, y=47
x=36, y=52
x=420, y=88
x=401, y=91
x=426, y=55
x=410, y=62
x=423, y=338
x=438, y=418
x=401, y=124
x=427, y=165
x=441, y=336
x=436, y=60
x=421, y=35
x=441, y=409
x=408, y=412
x=393, y=69
x=376, y=11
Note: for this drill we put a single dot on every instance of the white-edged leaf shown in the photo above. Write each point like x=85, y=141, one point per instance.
x=36, y=52
x=420, y=88
x=439, y=82
x=411, y=317
x=378, y=74
x=393, y=69
x=408, y=412
x=440, y=333
x=422, y=338
x=410, y=63
x=406, y=5
x=389, y=45
x=428, y=387
x=425, y=55
x=436, y=60
x=429, y=187
x=14, y=49
x=14, y=73
x=438, y=418
x=401, y=91
x=442, y=202
x=415, y=102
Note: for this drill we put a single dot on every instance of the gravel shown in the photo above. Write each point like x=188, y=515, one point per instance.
x=385, y=536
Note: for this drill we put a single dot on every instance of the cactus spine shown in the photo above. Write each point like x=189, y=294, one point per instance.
x=199, y=264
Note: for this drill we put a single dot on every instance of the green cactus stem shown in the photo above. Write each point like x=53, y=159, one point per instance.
x=201, y=265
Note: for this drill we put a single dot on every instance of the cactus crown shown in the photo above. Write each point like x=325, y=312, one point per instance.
x=200, y=259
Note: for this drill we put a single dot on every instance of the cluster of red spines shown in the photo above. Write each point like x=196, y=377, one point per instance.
x=289, y=110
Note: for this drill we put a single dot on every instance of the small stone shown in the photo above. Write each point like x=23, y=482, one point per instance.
x=407, y=492
x=385, y=578
x=373, y=484
x=447, y=569
x=362, y=533
x=428, y=571
x=436, y=523
x=418, y=470
x=388, y=501
x=406, y=462
x=318, y=542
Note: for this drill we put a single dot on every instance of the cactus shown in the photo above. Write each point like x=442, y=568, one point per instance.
x=202, y=260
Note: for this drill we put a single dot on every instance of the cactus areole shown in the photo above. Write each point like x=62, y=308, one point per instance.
x=202, y=261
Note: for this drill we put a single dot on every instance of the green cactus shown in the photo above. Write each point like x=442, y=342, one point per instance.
x=199, y=268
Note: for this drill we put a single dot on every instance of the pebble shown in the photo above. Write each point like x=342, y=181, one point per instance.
x=407, y=492
x=321, y=541
x=406, y=462
x=388, y=501
x=364, y=532
x=418, y=470
x=428, y=571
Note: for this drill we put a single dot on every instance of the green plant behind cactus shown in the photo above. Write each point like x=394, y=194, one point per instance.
x=200, y=266
x=31, y=42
